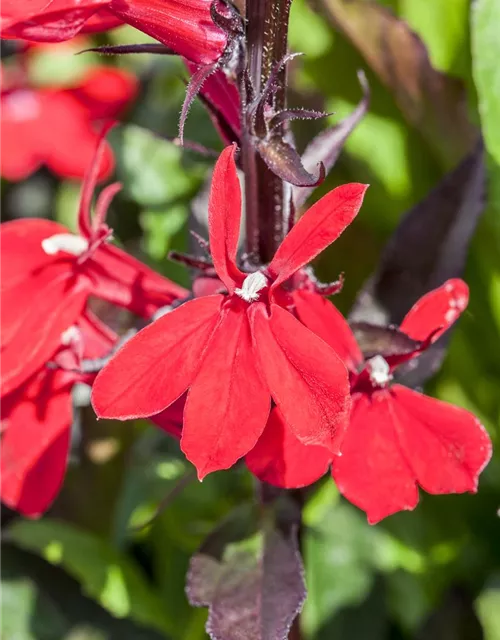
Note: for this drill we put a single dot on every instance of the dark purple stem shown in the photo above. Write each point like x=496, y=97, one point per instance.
x=265, y=194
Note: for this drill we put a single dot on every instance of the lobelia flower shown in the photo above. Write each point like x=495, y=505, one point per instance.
x=44, y=126
x=37, y=417
x=398, y=439
x=185, y=26
x=235, y=352
x=49, y=273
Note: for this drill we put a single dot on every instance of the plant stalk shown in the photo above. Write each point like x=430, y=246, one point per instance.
x=265, y=194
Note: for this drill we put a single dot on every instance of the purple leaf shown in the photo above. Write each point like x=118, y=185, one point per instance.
x=192, y=90
x=386, y=341
x=431, y=101
x=253, y=585
x=295, y=114
x=283, y=160
x=327, y=145
x=428, y=247
x=119, y=49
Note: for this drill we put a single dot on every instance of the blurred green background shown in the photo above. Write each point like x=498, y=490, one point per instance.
x=87, y=571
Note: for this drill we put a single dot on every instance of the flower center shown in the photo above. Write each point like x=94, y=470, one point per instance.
x=252, y=284
x=70, y=335
x=379, y=371
x=67, y=242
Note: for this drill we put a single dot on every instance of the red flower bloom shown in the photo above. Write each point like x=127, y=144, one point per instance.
x=48, y=275
x=45, y=125
x=37, y=418
x=185, y=26
x=398, y=439
x=237, y=351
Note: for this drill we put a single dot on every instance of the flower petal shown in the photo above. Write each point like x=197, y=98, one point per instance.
x=446, y=446
x=228, y=404
x=321, y=225
x=106, y=91
x=22, y=255
x=372, y=471
x=306, y=378
x=36, y=423
x=66, y=124
x=123, y=280
x=438, y=309
x=157, y=365
x=34, y=340
x=282, y=460
x=224, y=215
x=325, y=320
x=46, y=20
x=185, y=26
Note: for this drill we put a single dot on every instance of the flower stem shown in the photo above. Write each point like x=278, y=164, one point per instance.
x=265, y=194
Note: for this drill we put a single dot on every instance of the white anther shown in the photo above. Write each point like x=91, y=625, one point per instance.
x=379, y=371
x=252, y=284
x=67, y=242
x=72, y=333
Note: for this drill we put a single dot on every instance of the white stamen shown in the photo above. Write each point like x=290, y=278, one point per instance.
x=72, y=333
x=251, y=286
x=67, y=242
x=379, y=371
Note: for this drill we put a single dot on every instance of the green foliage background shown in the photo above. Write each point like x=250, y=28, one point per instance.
x=87, y=571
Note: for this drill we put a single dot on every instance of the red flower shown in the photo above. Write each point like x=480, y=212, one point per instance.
x=48, y=274
x=185, y=26
x=398, y=439
x=56, y=127
x=37, y=417
x=237, y=351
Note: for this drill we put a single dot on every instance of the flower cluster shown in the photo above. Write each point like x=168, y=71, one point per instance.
x=255, y=363
x=44, y=125
x=49, y=330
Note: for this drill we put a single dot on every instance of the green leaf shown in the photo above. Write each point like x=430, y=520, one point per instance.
x=485, y=57
x=487, y=608
x=42, y=602
x=60, y=66
x=109, y=577
x=152, y=169
x=160, y=227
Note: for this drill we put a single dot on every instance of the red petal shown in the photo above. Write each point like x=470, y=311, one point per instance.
x=321, y=225
x=171, y=418
x=282, y=460
x=372, y=471
x=438, y=309
x=106, y=91
x=121, y=279
x=228, y=404
x=155, y=367
x=46, y=20
x=446, y=446
x=21, y=152
x=36, y=431
x=186, y=26
x=36, y=337
x=326, y=321
x=22, y=255
x=224, y=215
x=67, y=125
x=98, y=338
x=306, y=378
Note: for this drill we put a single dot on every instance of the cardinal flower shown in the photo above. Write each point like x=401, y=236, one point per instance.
x=185, y=26
x=49, y=273
x=237, y=351
x=45, y=125
x=37, y=418
x=398, y=439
